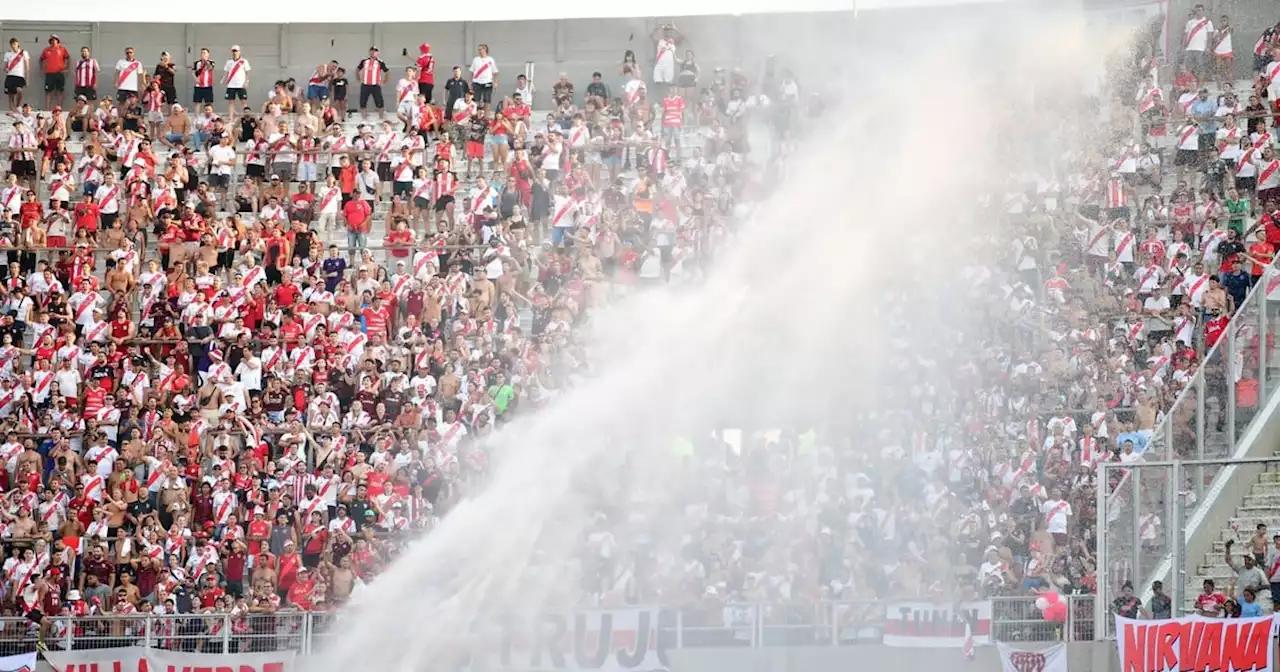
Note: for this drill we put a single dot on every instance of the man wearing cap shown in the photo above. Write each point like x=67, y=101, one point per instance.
x=54, y=60
x=373, y=74
x=236, y=79
x=426, y=71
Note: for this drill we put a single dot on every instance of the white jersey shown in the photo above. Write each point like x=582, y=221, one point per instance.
x=1223, y=46
x=1124, y=245
x=237, y=70
x=483, y=68
x=666, y=52
x=1195, y=36
x=1269, y=174
x=1189, y=137
x=16, y=62
x=1271, y=74
x=128, y=75
x=406, y=89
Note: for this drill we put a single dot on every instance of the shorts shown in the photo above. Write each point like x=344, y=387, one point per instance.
x=371, y=91
x=202, y=94
x=218, y=181
x=664, y=72
x=1186, y=157
x=443, y=202
x=421, y=203
x=23, y=167
x=1247, y=184
x=88, y=92
x=401, y=188
x=307, y=172
x=475, y=150
x=384, y=171
x=55, y=81
x=484, y=92
x=155, y=117
x=14, y=84
x=687, y=80
x=316, y=92
x=255, y=170
x=497, y=140
x=237, y=94
x=425, y=90
x=1118, y=213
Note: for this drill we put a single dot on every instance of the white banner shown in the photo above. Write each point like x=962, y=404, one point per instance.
x=925, y=624
x=595, y=639
x=1052, y=659
x=140, y=659
x=1196, y=643
x=23, y=662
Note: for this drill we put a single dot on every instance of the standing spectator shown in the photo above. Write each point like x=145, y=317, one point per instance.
x=17, y=67
x=54, y=60
x=236, y=80
x=202, y=79
x=484, y=74
x=130, y=77
x=87, y=75
x=1224, y=56
x=666, y=38
x=164, y=75
x=356, y=212
x=1195, y=43
x=373, y=74
x=426, y=72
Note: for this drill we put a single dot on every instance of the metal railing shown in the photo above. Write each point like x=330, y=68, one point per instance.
x=713, y=624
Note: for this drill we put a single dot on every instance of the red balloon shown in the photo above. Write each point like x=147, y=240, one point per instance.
x=1053, y=597
x=1056, y=612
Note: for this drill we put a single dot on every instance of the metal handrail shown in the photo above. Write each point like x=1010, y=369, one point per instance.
x=826, y=622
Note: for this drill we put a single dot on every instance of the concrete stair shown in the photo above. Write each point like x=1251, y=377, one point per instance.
x=1261, y=505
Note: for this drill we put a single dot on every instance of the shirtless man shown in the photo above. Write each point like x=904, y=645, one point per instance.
x=1258, y=544
x=176, y=127
x=118, y=281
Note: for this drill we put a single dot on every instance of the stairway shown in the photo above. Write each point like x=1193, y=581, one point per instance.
x=1261, y=505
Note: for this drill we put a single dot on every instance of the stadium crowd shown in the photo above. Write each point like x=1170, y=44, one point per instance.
x=220, y=395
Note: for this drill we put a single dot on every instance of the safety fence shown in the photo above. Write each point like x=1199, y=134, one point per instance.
x=712, y=624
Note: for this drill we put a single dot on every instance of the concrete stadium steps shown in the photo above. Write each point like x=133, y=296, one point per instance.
x=1261, y=505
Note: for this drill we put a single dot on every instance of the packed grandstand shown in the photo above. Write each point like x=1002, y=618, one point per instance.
x=252, y=347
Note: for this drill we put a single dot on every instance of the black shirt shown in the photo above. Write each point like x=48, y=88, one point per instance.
x=340, y=88
x=598, y=89
x=164, y=74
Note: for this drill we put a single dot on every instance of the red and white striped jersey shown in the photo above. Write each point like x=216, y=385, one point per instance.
x=203, y=72
x=371, y=70
x=445, y=184
x=87, y=73
x=672, y=111
x=1117, y=195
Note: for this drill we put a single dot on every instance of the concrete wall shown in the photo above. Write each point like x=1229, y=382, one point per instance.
x=811, y=44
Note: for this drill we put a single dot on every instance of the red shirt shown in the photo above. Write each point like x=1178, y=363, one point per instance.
x=209, y=597
x=399, y=237
x=300, y=594
x=291, y=333
x=672, y=112
x=86, y=216
x=426, y=69
x=54, y=58
x=375, y=321
x=287, y=295
x=30, y=212
x=1214, y=602
x=1213, y=330
x=357, y=212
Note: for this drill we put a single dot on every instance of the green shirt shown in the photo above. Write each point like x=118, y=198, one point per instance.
x=502, y=397
x=1238, y=210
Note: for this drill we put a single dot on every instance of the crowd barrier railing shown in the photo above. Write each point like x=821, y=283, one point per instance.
x=713, y=624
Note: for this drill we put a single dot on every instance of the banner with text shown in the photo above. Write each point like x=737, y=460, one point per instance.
x=594, y=639
x=140, y=659
x=1052, y=659
x=936, y=625
x=1195, y=643
x=23, y=662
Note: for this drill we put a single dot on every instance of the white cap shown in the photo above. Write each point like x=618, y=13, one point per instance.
x=235, y=47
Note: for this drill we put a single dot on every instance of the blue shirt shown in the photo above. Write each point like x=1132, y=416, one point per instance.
x=333, y=269
x=1248, y=609
x=1206, y=108
x=1139, y=439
